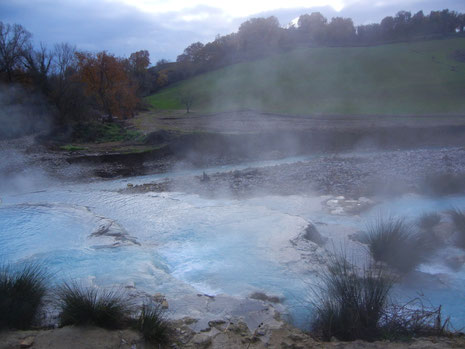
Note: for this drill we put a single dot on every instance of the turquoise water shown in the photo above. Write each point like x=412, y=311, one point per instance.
x=188, y=244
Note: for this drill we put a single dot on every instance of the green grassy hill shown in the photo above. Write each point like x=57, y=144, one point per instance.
x=408, y=78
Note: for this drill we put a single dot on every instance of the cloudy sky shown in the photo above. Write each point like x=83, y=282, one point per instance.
x=166, y=27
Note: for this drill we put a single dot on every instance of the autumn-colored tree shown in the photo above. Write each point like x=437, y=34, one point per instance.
x=107, y=82
x=137, y=68
x=162, y=78
x=140, y=60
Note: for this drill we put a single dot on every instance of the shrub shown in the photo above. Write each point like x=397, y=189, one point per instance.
x=458, y=217
x=395, y=243
x=21, y=295
x=103, y=132
x=428, y=221
x=152, y=323
x=413, y=319
x=355, y=304
x=91, y=306
x=350, y=303
x=70, y=147
x=428, y=240
x=444, y=184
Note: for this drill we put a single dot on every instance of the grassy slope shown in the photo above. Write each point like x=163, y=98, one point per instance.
x=389, y=79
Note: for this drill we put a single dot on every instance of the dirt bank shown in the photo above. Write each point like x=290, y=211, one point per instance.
x=221, y=335
x=196, y=141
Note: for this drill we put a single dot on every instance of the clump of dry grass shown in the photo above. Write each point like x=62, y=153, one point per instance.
x=396, y=243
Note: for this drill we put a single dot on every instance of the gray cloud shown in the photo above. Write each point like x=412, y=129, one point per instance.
x=122, y=29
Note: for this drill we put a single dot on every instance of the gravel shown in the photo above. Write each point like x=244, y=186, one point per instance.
x=351, y=174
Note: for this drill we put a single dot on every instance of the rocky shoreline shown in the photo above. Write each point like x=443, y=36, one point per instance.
x=221, y=335
x=353, y=175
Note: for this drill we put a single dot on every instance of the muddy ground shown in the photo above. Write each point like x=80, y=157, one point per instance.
x=178, y=140
x=221, y=335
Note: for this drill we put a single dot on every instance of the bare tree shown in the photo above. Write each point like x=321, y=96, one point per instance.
x=67, y=93
x=65, y=60
x=38, y=61
x=14, y=40
x=186, y=98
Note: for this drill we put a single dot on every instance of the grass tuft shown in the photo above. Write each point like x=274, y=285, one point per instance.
x=458, y=217
x=152, y=323
x=71, y=147
x=355, y=304
x=350, y=304
x=395, y=243
x=104, y=132
x=428, y=221
x=441, y=184
x=21, y=294
x=91, y=306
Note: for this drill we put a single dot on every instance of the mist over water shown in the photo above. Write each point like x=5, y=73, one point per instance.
x=22, y=112
x=186, y=244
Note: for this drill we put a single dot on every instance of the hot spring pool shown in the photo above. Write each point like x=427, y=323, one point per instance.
x=188, y=244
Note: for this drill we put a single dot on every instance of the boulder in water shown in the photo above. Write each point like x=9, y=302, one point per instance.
x=312, y=234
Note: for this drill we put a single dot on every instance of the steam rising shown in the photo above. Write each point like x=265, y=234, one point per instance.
x=22, y=112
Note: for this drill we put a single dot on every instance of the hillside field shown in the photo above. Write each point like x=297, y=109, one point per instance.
x=419, y=78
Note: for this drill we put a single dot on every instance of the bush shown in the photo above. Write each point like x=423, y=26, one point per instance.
x=428, y=221
x=21, y=295
x=103, y=132
x=355, y=304
x=91, y=306
x=413, y=319
x=349, y=306
x=395, y=243
x=153, y=324
x=458, y=217
x=444, y=184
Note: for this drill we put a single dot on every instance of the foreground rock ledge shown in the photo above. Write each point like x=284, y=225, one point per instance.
x=221, y=335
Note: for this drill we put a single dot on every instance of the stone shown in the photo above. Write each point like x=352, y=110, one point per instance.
x=332, y=203
x=218, y=324
x=312, y=234
x=297, y=337
x=158, y=297
x=202, y=340
x=189, y=320
x=164, y=304
x=337, y=212
x=27, y=342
